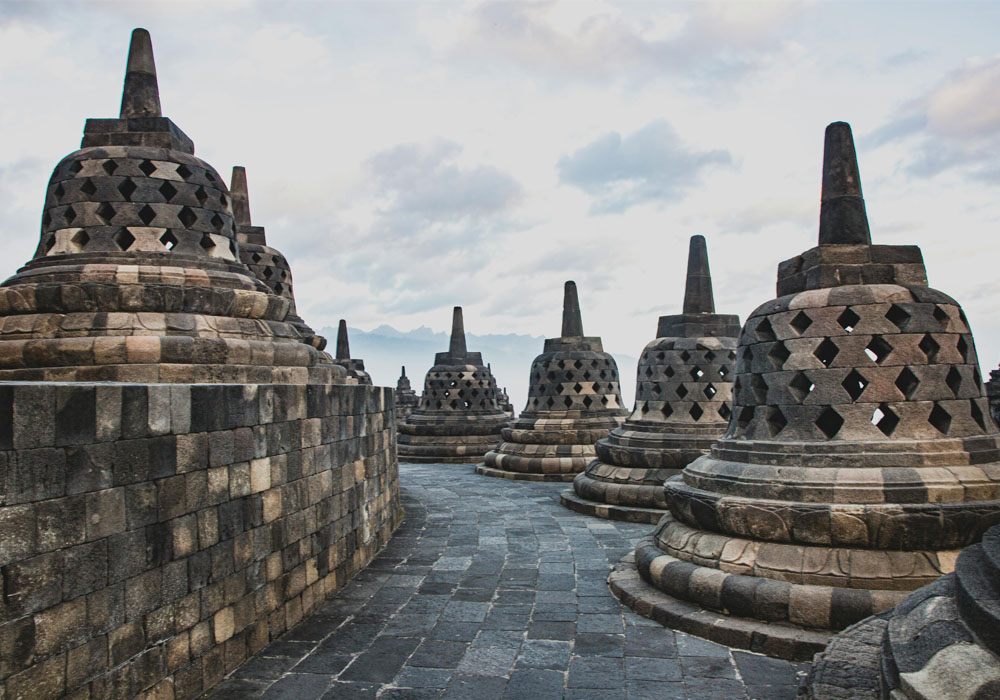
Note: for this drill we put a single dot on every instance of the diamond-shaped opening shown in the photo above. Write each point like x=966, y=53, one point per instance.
x=79, y=240
x=898, y=316
x=207, y=242
x=109, y=167
x=940, y=418
x=550, y=402
x=268, y=272
x=747, y=355
x=669, y=372
x=649, y=371
x=685, y=356
x=232, y=247
x=681, y=391
x=666, y=410
x=446, y=393
x=826, y=351
x=127, y=188
x=558, y=388
x=878, y=349
x=848, y=320
x=963, y=348
x=775, y=420
x=147, y=168
x=696, y=373
x=801, y=386
x=759, y=388
x=586, y=375
x=123, y=239
x=59, y=191
x=660, y=356
x=854, y=383
x=106, y=211
x=70, y=214
x=765, y=332
x=930, y=347
x=167, y=190
x=578, y=387
x=709, y=356
x=210, y=177
x=568, y=402
x=977, y=415
x=801, y=322
x=50, y=243
x=604, y=400
x=187, y=217
x=744, y=417
x=279, y=287
x=75, y=167
x=710, y=391
x=587, y=401
x=961, y=315
x=217, y=222
x=723, y=372
x=255, y=257
x=696, y=412
x=976, y=379
x=183, y=171
x=578, y=364
x=201, y=195
x=940, y=315
x=778, y=354
x=907, y=382
x=169, y=240
x=597, y=387
x=222, y=199
x=453, y=403
x=570, y=375
x=562, y=364
x=829, y=422
x=88, y=187
x=885, y=419
x=954, y=380
x=147, y=214
x=46, y=219
x=724, y=411
x=551, y=376
x=656, y=389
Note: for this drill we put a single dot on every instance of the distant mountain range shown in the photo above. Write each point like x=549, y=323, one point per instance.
x=385, y=349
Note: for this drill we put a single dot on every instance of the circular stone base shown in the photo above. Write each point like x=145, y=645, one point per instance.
x=849, y=667
x=628, y=514
x=783, y=641
x=425, y=459
x=522, y=476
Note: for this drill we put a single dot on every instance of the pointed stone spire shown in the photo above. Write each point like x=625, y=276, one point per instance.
x=141, y=95
x=842, y=217
x=457, y=347
x=240, y=195
x=402, y=371
x=698, y=297
x=343, y=348
x=572, y=321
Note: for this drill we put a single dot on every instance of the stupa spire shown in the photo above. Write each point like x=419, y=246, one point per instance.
x=140, y=95
x=457, y=348
x=842, y=216
x=343, y=347
x=698, y=297
x=239, y=193
x=572, y=321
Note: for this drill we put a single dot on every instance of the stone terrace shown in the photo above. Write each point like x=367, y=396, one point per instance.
x=496, y=592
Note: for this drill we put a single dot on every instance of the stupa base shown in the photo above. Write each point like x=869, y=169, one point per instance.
x=780, y=640
x=849, y=668
x=523, y=476
x=609, y=511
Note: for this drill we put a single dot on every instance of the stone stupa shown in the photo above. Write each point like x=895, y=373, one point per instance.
x=503, y=401
x=356, y=373
x=859, y=460
x=137, y=275
x=573, y=400
x=682, y=405
x=457, y=419
x=406, y=398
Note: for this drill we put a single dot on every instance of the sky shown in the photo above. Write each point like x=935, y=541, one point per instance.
x=409, y=157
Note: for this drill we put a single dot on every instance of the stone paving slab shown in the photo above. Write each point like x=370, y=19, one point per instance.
x=492, y=590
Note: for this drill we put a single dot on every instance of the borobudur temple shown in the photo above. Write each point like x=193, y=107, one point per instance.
x=356, y=373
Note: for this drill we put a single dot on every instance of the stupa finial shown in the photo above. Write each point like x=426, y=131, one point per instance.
x=240, y=195
x=842, y=217
x=457, y=347
x=698, y=297
x=402, y=371
x=140, y=95
x=343, y=347
x=572, y=321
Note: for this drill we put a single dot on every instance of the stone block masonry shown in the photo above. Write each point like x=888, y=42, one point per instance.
x=153, y=537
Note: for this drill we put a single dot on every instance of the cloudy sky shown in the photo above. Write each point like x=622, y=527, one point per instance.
x=407, y=157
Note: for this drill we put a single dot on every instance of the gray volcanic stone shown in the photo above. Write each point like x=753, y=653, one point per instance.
x=860, y=455
x=406, y=398
x=573, y=400
x=355, y=368
x=683, y=404
x=458, y=418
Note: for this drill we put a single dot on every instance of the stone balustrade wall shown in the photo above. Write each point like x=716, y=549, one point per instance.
x=152, y=536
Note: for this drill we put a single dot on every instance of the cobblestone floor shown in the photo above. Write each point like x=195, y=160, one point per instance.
x=492, y=590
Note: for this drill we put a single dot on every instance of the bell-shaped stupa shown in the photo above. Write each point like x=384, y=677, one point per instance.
x=573, y=400
x=137, y=275
x=457, y=419
x=267, y=263
x=406, y=398
x=683, y=401
x=356, y=373
x=859, y=460
x=503, y=401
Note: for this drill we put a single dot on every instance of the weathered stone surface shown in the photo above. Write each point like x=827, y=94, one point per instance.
x=860, y=455
x=457, y=419
x=356, y=373
x=573, y=400
x=406, y=398
x=682, y=405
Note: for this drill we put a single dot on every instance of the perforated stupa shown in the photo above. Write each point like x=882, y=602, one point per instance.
x=573, y=400
x=406, y=398
x=682, y=405
x=859, y=460
x=356, y=373
x=457, y=419
x=137, y=275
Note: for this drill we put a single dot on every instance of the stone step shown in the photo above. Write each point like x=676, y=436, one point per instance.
x=991, y=548
x=610, y=511
x=977, y=592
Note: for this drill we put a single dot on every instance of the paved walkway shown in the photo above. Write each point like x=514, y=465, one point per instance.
x=492, y=590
